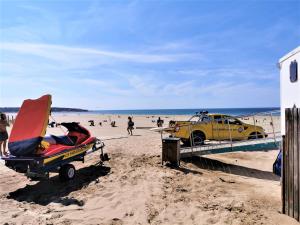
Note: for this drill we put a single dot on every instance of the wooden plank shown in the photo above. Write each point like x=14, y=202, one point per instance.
x=297, y=136
x=291, y=164
x=283, y=175
x=295, y=166
x=287, y=173
x=286, y=167
x=291, y=149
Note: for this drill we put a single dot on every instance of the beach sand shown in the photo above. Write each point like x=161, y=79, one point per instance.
x=134, y=188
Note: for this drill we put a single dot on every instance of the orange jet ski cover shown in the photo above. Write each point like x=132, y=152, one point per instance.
x=30, y=126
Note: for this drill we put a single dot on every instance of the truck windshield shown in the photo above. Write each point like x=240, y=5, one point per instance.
x=195, y=118
x=200, y=118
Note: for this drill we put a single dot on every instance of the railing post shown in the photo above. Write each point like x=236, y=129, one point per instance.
x=219, y=132
x=255, y=127
x=273, y=128
x=191, y=139
x=229, y=132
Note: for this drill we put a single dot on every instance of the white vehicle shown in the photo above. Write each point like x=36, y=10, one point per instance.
x=289, y=66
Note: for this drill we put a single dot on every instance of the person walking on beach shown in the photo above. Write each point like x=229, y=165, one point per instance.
x=160, y=122
x=3, y=134
x=130, y=125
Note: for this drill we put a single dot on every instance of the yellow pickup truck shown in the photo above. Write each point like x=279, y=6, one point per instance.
x=204, y=126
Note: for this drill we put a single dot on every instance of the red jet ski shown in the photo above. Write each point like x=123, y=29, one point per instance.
x=36, y=155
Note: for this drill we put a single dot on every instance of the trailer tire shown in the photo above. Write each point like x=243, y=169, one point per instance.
x=104, y=157
x=34, y=178
x=67, y=172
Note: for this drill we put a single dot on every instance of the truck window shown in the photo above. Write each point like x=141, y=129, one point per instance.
x=218, y=119
x=232, y=121
x=205, y=119
x=194, y=118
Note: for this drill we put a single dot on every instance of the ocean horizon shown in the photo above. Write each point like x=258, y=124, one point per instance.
x=230, y=111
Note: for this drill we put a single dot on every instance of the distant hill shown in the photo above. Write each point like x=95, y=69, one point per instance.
x=53, y=109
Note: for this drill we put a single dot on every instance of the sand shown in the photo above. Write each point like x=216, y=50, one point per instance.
x=134, y=188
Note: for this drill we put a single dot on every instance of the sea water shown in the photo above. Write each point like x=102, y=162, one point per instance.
x=228, y=111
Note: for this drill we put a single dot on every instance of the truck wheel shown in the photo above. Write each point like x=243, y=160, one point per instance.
x=198, y=138
x=67, y=172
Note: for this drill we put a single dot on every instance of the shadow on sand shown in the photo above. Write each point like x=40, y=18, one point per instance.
x=53, y=190
x=183, y=169
x=212, y=164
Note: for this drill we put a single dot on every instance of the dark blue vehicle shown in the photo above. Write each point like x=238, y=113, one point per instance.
x=277, y=164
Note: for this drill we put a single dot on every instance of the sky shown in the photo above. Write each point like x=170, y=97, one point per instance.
x=145, y=54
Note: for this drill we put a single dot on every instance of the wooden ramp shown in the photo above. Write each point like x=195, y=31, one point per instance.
x=237, y=146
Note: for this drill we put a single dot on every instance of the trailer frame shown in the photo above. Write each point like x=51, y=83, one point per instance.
x=37, y=167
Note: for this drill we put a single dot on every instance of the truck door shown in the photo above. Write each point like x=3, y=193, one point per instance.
x=235, y=126
x=206, y=126
x=218, y=127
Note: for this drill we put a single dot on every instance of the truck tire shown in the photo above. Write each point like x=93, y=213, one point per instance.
x=67, y=172
x=198, y=138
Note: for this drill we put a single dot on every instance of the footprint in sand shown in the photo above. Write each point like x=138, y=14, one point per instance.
x=116, y=221
x=116, y=204
x=212, y=220
x=129, y=214
x=107, y=195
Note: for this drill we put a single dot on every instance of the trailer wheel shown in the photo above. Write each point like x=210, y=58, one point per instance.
x=104, y=157
x=67, y=172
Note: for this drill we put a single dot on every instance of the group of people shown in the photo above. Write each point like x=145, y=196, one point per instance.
x=130, y=124
x=3, y=134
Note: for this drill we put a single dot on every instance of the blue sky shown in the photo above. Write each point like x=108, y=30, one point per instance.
x=145, y=54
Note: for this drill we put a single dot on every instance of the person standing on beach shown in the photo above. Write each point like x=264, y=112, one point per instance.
x=160, y=122
x=130, y=125
x=3, y=134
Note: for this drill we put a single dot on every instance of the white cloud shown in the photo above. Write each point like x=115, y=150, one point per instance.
x=262, y=73
x=88, y=56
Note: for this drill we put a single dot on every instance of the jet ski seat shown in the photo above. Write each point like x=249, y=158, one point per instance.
x=77, y=137
x=73, y=138
x=65, y=140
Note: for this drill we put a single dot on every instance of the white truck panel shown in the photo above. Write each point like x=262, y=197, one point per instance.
x=289, y=91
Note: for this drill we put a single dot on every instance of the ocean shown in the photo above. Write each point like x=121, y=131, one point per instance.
x=229, y=111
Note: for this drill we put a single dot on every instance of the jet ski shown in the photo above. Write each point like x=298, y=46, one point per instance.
x=35, y=155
